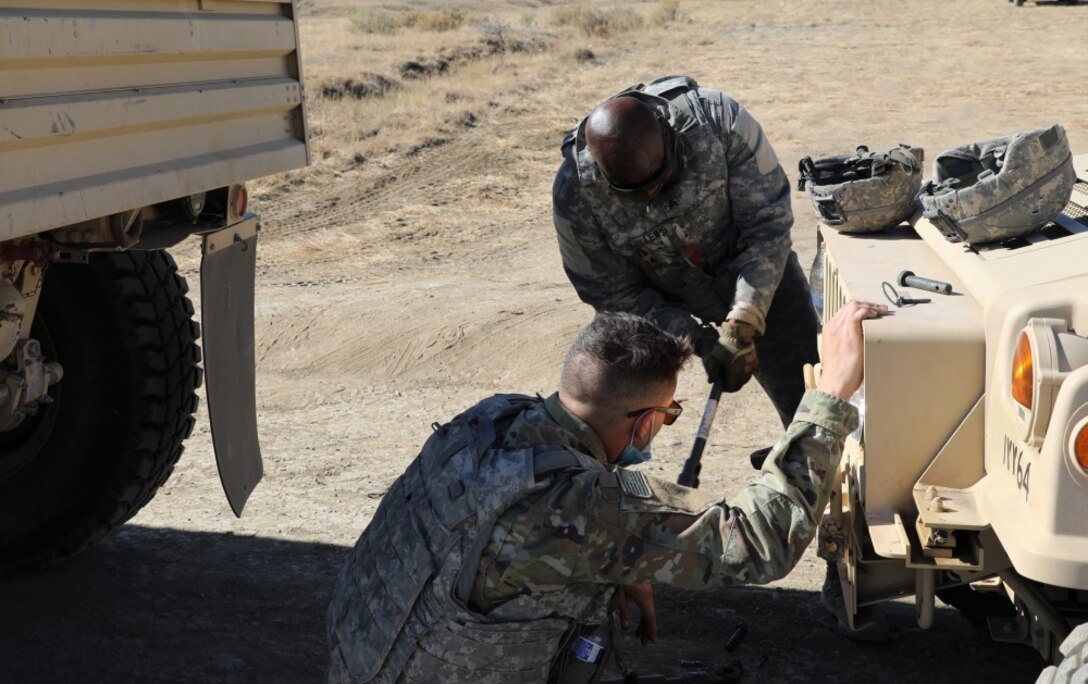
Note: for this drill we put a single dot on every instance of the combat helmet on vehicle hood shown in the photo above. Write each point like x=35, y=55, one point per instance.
x=863, y=192
x=1000, y=188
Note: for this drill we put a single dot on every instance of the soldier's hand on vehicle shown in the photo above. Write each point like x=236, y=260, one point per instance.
x=734, y=355
x=842, y=348
x=642, y=595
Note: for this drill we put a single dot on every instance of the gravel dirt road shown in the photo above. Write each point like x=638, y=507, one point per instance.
x=399, y=289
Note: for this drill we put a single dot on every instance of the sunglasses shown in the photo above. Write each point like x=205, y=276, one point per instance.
x=672, y=412
x=667, y=165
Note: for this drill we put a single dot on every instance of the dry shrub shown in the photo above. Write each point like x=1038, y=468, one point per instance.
x=439, y=20
x=366, y=85
x=665, y=13
x=500, y=37
x=415, y=69
x=584, y=55
x=598, y=22
x=375, y=20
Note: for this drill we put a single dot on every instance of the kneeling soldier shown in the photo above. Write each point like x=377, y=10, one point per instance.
x=498, y=555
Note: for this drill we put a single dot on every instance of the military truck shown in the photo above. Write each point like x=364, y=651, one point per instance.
x=125, y=128
x=967, y=480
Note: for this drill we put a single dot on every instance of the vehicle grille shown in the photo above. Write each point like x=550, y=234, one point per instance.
x=1076, y=211
x=834, y=296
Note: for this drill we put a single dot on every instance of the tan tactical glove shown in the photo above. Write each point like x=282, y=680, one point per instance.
x=734, y=354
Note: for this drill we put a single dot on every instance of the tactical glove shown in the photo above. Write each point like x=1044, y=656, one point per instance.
x=733, y=354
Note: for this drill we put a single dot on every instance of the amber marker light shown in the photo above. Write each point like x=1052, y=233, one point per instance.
x=241, y=201
x=1080, y=446
x=1023, y=376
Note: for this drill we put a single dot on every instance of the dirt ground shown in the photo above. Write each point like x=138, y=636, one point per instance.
x=401, y=281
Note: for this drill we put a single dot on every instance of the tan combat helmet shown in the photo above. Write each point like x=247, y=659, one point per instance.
x=1000, y=188
x=866, y=191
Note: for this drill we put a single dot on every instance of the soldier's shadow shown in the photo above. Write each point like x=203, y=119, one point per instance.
x=165, y=605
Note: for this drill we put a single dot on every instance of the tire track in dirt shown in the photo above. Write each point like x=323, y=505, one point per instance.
x=433, y=175
x=422, y=350
x=468, y=349
x=478, y=339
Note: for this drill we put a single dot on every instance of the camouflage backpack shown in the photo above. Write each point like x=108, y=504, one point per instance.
x=1001, y=188
x=866, y=191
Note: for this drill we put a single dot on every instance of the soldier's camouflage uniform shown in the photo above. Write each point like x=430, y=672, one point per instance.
x=487, y=578
x=714, y=244
x=667, y=534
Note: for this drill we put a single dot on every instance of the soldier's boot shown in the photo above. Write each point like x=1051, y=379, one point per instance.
x=869, y=623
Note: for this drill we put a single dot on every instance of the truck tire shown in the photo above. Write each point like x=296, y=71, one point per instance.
x=123, y=331
x=1073, y=669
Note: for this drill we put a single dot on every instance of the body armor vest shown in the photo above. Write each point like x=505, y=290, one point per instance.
x=863, y=192
x=1001, y=188
x=400, y=610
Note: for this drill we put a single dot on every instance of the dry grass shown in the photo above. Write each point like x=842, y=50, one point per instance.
x=600, y=23
x=375, y=97
x=383, y=82
x=377, y=20
x=666, y=13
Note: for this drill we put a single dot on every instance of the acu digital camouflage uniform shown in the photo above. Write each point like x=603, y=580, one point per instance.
x=714, y=244
x=1001, y=188
x=504, y=605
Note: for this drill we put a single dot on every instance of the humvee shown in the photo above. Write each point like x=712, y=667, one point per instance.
x=967, y=479
x=125, y=128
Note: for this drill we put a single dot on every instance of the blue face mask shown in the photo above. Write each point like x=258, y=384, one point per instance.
x=631, y=456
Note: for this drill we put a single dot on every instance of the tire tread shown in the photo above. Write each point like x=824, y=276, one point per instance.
x=150, y=303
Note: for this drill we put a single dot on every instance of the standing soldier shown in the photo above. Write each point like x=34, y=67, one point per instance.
x=671, y=204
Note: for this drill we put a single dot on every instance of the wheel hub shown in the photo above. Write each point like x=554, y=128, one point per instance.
x=23, y=390
x=25, y=427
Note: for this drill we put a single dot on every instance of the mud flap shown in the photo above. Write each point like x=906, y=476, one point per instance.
x=227, y=273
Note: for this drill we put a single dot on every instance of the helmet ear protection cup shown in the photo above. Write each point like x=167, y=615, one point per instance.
x=866, y=191
x=1001, y=188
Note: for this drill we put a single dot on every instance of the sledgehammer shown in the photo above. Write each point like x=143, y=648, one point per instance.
x=689, y=476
